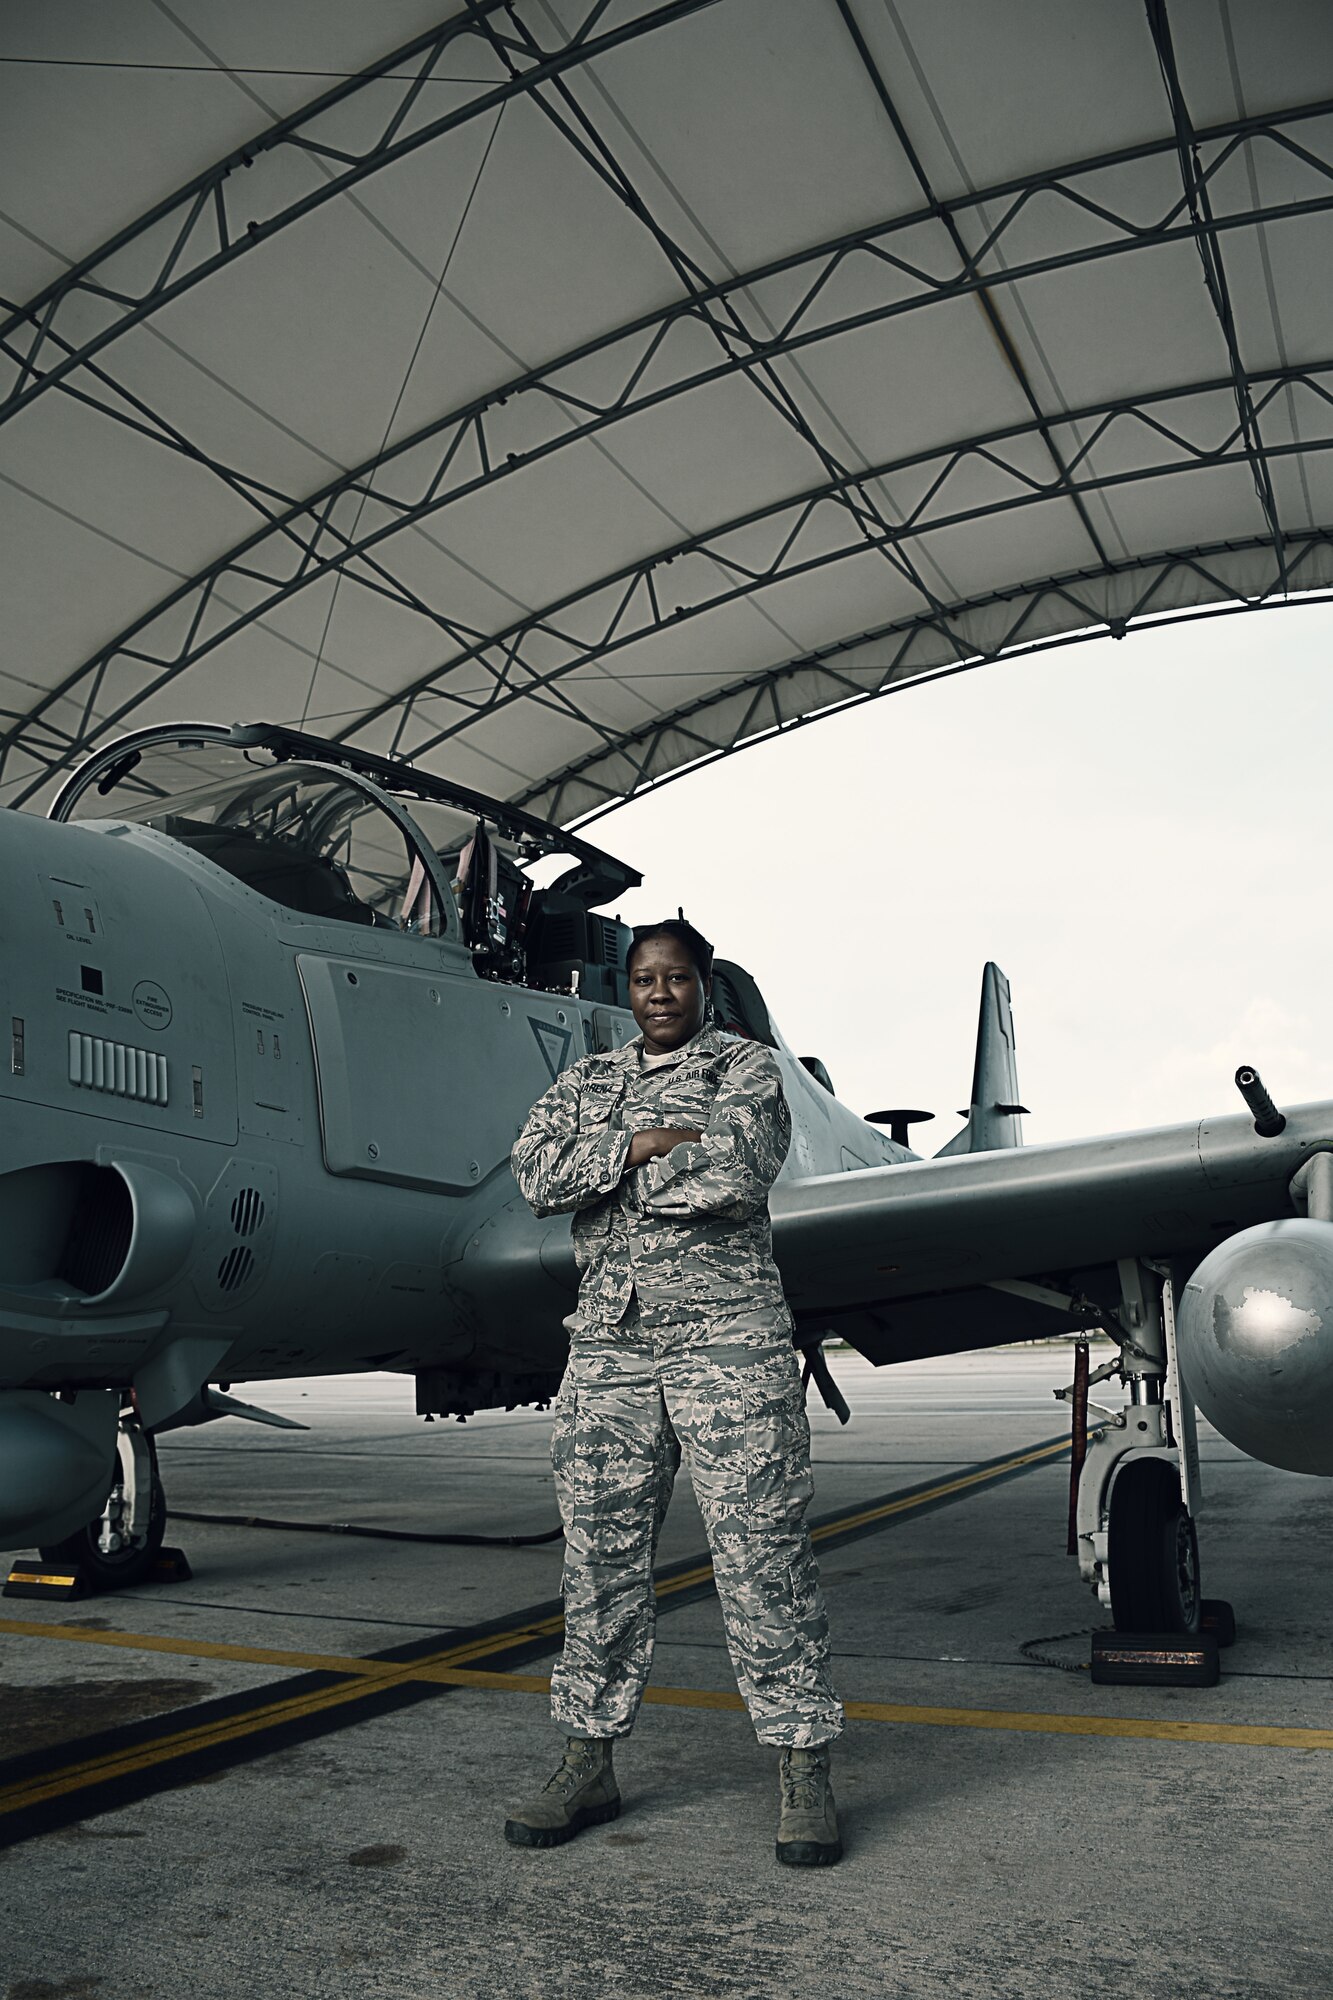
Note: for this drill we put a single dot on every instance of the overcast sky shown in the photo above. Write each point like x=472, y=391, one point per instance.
x=1139, y=834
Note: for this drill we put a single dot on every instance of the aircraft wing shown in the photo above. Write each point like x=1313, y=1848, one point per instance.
x=915, y=1259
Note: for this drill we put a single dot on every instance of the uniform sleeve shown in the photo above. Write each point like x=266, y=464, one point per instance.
x=739, y=1154
x=559, y=1168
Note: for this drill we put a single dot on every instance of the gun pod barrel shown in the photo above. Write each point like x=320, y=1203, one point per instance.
x=1268, y=1120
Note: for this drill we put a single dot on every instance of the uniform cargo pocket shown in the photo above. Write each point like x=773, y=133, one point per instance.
x=564, y=1450
x=779, y=1483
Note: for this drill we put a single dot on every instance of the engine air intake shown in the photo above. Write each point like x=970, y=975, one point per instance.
x=101, y=1225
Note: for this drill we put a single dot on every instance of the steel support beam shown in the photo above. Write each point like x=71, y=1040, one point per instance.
x=467, y=448
x=640, y=749
x=994, y=319
x=1195, y=183
x=208, y=223
x=820, y=260
x=632, y=611
x=287, y=516
x=704, y=572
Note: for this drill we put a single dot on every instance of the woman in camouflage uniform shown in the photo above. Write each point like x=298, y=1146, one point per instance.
x=665, y=1152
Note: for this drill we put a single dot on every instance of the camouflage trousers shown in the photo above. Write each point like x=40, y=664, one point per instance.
x=728, y=1394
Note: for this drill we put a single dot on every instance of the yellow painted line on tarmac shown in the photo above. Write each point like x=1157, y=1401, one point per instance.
x=1136, y=1727
x=981, y=1477
x=885, y=1511
x=208, y=1649
x=180, y=1743
x=363, y=1677
x=1139, y=1728
x=189, y=1649
x=1152, y=1728
x=434, y=1668
x=275, y=1656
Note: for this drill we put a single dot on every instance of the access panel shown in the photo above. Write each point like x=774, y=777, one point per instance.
x=425, y=1078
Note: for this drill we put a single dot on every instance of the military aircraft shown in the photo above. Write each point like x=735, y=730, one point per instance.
x=277, y=1011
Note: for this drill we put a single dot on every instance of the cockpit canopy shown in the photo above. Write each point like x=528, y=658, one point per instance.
x=336, y=835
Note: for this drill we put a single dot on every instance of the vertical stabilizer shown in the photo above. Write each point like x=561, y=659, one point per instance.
x=993, y=1115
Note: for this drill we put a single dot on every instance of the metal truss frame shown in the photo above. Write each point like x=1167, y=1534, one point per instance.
x=468, y=448
x=1195, y=183
x=763, y=717
x=823, y=260
x=211, y=221
x=531, y=659
x=629, y=607
x=969, y=263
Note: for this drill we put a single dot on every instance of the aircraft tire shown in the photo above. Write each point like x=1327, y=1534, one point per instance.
x=125, y=1566
x=1152, y=1553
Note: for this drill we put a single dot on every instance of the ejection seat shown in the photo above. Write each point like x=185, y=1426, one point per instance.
x=739, y=1005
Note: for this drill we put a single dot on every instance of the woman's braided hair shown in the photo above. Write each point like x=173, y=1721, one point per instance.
x=684, y=933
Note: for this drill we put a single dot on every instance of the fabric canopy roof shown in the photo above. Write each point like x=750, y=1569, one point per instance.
x=565, y=392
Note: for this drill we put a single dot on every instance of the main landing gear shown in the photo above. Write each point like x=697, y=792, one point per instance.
x=1135, y=1496
x=123, y=1546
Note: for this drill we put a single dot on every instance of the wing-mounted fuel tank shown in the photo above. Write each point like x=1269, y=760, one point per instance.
x=1256, y=1317
x=57, y=1459
x=1256, y=1342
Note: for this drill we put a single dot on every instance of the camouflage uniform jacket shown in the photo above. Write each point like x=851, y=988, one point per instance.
x=689, y=1233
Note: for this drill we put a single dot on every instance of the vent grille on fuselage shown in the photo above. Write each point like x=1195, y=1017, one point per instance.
x=235, y=1268
x=247, y=1211
x=563, y=935
x=99, y=1064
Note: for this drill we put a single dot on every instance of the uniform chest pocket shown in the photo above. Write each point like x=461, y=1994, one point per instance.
x=597, y=1102
x=687, y=1101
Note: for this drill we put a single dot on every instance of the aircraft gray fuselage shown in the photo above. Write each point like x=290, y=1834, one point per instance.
x=241, y=1143
x=327, y=1149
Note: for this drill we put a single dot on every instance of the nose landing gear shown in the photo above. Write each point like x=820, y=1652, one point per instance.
x=123, y=1545
x=1137, y=1497
x=1152, y=1552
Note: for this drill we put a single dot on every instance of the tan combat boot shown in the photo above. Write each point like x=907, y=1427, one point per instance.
x=583, y=1792
x=808, y=1824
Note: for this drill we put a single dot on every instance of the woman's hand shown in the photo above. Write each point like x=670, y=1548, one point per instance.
x=655, y=1145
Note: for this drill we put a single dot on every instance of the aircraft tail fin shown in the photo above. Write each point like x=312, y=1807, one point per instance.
x=993, y=1114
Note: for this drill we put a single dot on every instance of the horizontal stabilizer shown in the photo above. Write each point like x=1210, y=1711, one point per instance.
x=993, y=1114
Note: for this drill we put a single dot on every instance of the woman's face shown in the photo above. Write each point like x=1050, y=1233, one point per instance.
x=666, y=994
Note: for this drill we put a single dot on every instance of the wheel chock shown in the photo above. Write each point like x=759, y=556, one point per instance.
x=1154, y=1659
x=169, y=1566
x=1216, y=1616
x=31, y=1577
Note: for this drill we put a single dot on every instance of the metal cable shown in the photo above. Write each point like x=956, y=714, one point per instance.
x=1029, y=1650
x=371, y=1534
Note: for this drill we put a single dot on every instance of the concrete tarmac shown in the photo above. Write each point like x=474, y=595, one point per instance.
x=245, y=1797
